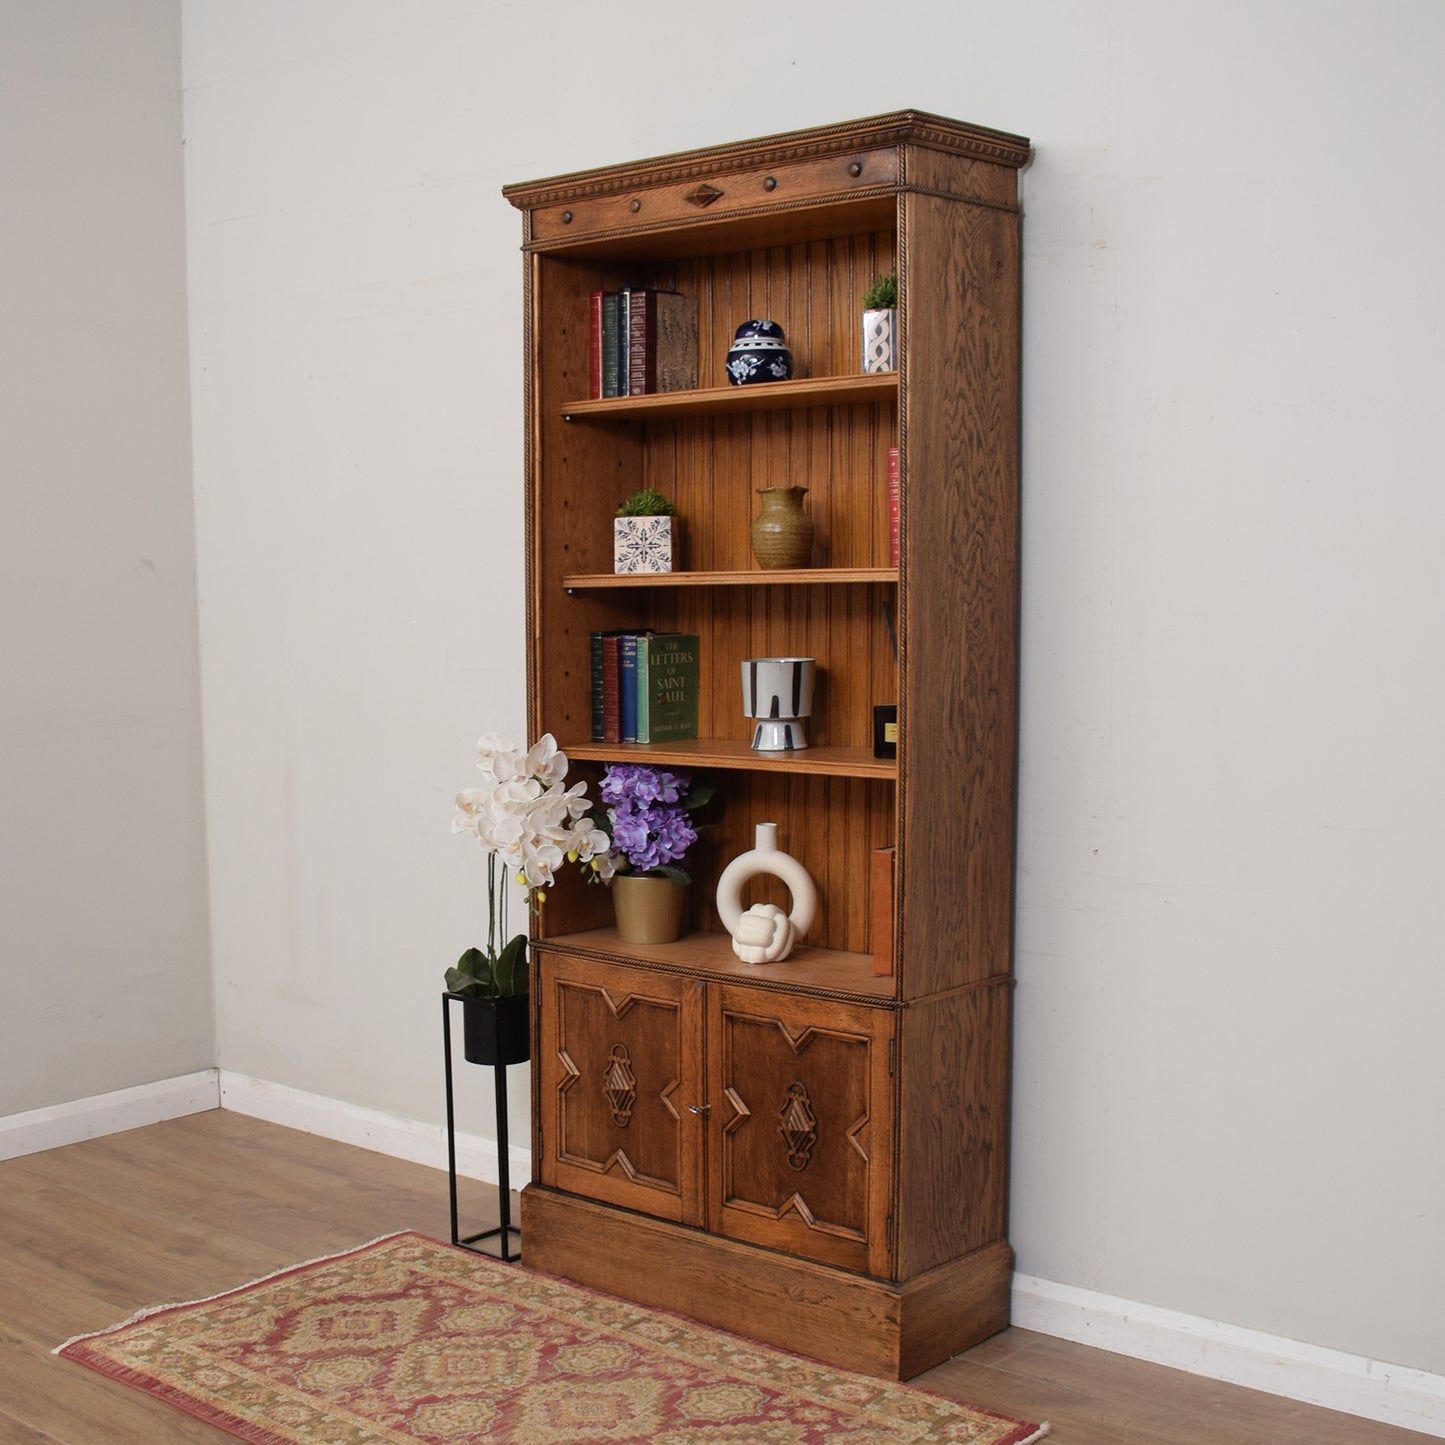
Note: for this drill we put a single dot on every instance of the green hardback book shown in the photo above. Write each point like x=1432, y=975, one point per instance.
x=643, y=731
x=669, y=703
x=608, y=343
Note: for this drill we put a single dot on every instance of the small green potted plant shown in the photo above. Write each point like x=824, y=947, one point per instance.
x=644, y=533
x=880, y=324
x=528, y=822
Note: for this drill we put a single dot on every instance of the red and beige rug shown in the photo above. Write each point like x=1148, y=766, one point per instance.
x=407, y=1339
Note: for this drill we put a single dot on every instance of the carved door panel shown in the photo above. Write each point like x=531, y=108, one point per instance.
x=801, y=1136
x=620, y=1065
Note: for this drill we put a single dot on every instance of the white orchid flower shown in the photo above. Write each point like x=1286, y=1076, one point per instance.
x=589, y=842
x=490, y=746
x=526, y=817
x=546, y=761
x=471, y=803
x=506, y=767
x=539, y=859
x=515, y=794
x=577, y=804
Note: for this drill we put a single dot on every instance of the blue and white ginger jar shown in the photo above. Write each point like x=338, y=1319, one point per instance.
x=759, y=353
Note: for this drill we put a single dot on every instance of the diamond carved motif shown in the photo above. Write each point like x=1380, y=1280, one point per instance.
x=703, y=194
x=620, y=1085
x=799, y=1126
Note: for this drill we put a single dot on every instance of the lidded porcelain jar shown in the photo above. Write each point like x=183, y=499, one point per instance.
x=759, y=353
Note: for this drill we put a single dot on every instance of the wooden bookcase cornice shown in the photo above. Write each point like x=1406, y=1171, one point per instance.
x=896, y=128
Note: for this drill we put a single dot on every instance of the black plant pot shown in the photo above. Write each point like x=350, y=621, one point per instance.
x=496, y=1030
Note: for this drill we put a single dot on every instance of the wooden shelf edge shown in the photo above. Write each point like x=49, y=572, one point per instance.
x=828, y=762
x=825, y=972
x=776, y=577
x=874, y=386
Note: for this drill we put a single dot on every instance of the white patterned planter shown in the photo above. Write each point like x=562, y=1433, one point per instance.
x=880, y=340
x=643, y=544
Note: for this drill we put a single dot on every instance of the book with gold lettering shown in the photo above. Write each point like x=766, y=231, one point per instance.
x=668, y=711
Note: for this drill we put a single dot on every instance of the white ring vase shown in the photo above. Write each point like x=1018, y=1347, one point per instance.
x=766, y=857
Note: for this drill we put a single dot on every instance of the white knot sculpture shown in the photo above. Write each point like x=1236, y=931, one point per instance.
x=764, y=933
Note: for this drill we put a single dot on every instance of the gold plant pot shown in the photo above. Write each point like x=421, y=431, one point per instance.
x=649, y=910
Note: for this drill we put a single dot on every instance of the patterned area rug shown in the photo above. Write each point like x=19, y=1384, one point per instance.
x=408, y=1339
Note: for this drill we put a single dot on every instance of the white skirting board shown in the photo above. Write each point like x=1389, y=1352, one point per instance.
x=371, y=1129
x=1392, y=1394
x=101, y=1114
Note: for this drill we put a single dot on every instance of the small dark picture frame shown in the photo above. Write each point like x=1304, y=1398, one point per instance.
x=885, y=730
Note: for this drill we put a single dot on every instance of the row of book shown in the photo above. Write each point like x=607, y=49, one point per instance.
x=644, y=687
x=641, y=341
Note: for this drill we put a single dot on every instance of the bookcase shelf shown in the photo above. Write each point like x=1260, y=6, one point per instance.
x=778, y=577
x=822, y=970
x=794, y=395
x=821, y=762
x=668, y=1081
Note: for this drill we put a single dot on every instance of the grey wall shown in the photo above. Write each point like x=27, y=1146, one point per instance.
x=104, y=948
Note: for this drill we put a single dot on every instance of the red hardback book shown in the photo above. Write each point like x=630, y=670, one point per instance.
x=893, y=485
x=611, y=691
x=641, y=336
x=594, y=346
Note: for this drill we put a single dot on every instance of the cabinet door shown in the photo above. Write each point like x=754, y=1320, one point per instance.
x=620, y=1063
x=802, y=1125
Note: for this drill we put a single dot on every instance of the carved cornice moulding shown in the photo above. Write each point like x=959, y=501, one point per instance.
x=898, y=128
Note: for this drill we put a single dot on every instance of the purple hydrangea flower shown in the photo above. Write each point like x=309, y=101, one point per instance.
x=635, y=783
x=647, y=810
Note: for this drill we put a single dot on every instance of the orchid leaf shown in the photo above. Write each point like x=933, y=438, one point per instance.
x=472, y=964
x=509, y=972
x=463, y=983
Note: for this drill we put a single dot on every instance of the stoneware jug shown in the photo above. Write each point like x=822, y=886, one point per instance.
x=782, y=533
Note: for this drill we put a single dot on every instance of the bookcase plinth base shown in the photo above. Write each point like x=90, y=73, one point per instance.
x=893, y=1331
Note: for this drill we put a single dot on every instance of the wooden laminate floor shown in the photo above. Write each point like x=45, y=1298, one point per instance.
x=189, y=1208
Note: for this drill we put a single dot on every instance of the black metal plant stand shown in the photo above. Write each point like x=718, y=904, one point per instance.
x=504, y=1233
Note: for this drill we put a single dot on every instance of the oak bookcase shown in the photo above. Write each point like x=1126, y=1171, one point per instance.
x=874, y=1235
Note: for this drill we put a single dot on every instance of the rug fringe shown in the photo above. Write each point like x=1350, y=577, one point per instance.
x=1037, y=1435
x=145, y=1314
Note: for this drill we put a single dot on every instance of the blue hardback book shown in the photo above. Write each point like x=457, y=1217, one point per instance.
x=627, y=687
